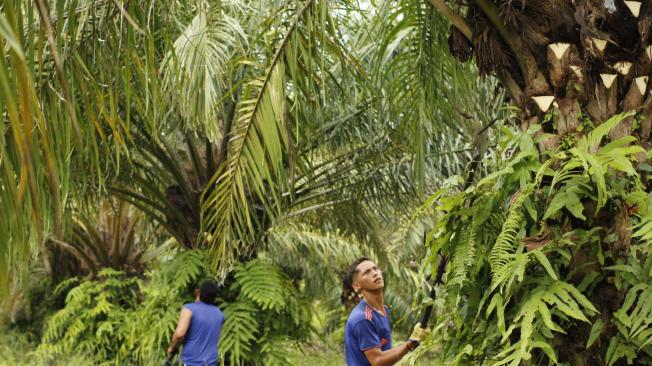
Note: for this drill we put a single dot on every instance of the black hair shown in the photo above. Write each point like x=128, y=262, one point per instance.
x=349, y=296
x=208, y=292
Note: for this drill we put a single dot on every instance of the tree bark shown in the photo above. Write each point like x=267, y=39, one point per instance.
x=594, y=62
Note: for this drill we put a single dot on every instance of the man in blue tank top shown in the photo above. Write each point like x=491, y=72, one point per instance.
x=368, y=334
x=199, y=329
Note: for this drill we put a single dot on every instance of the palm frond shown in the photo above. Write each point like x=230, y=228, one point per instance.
x=195, y=72
x=255, y=159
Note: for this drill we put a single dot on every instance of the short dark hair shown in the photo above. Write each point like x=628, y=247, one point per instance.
x=348, y=294
x=208, y=292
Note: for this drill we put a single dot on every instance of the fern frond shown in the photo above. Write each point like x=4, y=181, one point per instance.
x=239, y=331
x=183, y=270
x=277, y=352
x=635, y=316
x=535, y=315
x=263, y=284
x=503, y=253
x=464, y=256
x=592, y=140
x=620, y=348
x=92, y=318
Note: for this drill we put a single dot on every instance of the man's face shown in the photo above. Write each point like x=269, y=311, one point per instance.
x=368, y=277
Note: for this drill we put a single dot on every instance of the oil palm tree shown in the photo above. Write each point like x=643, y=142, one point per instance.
x=305, y=115
x=298, y=125
x=577, y=73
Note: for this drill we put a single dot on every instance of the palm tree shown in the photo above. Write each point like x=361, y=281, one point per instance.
x=303, y=114
x=113, y=240
x=240, y=74
x=571, y=68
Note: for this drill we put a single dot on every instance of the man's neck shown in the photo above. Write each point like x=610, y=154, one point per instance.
x=375, y=299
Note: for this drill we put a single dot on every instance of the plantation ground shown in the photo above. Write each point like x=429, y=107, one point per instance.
x=16, y=350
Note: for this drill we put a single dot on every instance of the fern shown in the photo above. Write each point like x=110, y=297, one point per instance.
x=267, y=309
x=634, y=318
x=592, y=140
x=535, y=320
x=184, y=269
x=523, y=298
x=90, y=321
x=503, y=255
x=464, y=256
x=619, y=348
x=642, y=231
x=262, y=283
x=164, y=293
x=277, y=352
x=597, y=161
x=240, y=331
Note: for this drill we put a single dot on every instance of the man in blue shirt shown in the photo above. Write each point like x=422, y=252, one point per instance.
x=199, y=329
x=368, y=335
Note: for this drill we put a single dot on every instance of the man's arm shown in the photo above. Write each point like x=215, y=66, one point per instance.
x=377, y=357
x=180, y=332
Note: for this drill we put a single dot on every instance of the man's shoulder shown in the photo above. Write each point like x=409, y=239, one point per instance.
x=355, y=318
x=358, y=314
x=202, y=305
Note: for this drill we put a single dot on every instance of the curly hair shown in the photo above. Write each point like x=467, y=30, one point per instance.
x=349, y=296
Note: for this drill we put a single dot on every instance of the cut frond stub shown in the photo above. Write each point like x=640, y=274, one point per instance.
x=559, y=49
x=544, y=101
x=634, y=7
x=600, y=44
x=577, y=70
x=608, y=79
x=648, y=52
x=623, y=67
x=641, y=84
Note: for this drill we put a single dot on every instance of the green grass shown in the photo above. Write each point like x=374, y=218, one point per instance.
x=317, y=355
x=17, y=350
x=331, y=355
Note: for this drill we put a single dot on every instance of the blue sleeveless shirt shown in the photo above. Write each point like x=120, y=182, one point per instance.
x=203, y=336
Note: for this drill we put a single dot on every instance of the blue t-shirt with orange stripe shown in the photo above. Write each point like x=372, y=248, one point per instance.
x=366, y=328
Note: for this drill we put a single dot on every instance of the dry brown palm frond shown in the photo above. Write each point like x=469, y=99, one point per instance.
x=645, y=22
x=491, y=54
x=508, y=11
x=622, y=227
x=459, y=46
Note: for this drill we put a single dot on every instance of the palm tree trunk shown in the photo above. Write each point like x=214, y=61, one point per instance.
x=568, y=65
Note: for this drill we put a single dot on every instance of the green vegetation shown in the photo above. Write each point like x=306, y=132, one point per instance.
x=266, y=144
x=515, y=250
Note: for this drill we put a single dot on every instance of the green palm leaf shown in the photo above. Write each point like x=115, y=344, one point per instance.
x=195, y=70
x=254, y=165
